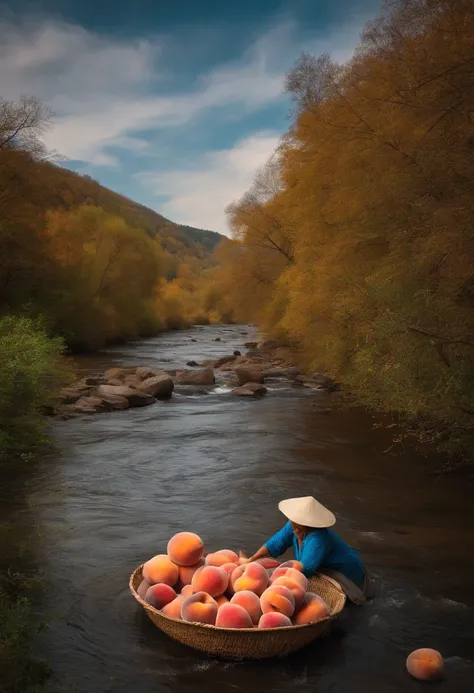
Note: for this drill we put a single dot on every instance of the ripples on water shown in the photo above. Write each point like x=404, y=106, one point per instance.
x=218, y=465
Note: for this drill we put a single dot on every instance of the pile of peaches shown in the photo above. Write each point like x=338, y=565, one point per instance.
x=220, y=591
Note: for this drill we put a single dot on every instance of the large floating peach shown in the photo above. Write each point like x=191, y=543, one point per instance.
x=199, y=608
x=274, y=620
x=160, y=595
x=278, y=598
x=173, y=609
x=313, y=609
x=290, y=573
x=160, y=569
x=295, y=587
x=187, y=591
x=268, y=563
x=297, y=565
x=143, y=588
x=253, y=578
x=221, y=600
x=185, y=548
x=233, y=616
x=250, y=602
x=425, y=664
x=220, y=557
x=210, y=579
x=186, y=572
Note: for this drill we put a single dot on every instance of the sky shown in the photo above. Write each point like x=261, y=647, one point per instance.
x=174, y=104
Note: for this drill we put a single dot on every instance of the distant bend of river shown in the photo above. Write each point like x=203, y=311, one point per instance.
x=123, y=483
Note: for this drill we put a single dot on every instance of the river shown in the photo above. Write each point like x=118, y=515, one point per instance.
x=121, y=484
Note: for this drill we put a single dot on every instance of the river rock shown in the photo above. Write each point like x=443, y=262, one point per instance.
x=89, y=405
x=250, y=390
x=251, y=345
x=70, y=395
x=131, y=381
x=249, y=374
x=192, y=364
x=216, y=339
x=113, y=381
x=222, y=360
x=202, y=377
x=317, y=380
x=134, y=397
x=237, y=353
x=159, y=386
x=90, y=382
x=144, y=372
x=115, y=402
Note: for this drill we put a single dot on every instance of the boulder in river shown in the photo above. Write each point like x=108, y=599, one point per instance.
x=202, y=377
x=134, y=397
x=222, y=360
x=159, y=386
x=70, y=395
x=144, y=372
x=120, y=372
x=192, y=364
x=249, y=374
x=250, y=390
x=113, y=381
x=115, y=402
x=88, y=405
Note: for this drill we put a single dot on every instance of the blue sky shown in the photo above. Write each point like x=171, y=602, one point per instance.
x=174, y=104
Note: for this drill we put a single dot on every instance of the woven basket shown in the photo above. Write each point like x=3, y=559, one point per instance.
x=246, y=643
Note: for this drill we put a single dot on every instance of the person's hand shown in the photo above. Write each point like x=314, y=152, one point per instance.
x=243, y=558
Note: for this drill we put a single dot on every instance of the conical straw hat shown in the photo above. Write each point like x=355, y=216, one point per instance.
x=307, y=511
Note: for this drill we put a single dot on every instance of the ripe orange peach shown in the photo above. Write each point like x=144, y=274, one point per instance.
x=295, y=587
x=250, y=602
x=253, y=578
x=210, y=579
x=268, y=563
x=278, y=598
x=233, y=616
x=186, y=572
x=142, y=588
x=274, y=620
x=425, y=664
x=199, y=608
x=291, y=573
x=187, y=591
x=185, y=548
x=160, y=569
x=160, y=595
x=221, y=600
x=229, y=568
x=297, y=565
x=173, y=609
x=220, y=557
x=313, y=609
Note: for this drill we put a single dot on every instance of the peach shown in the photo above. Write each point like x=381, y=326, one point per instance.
x=160, y=595
x=250, y=602
x=220, y=557
x=160, y=569
x=233, y=616
x=278, y=598
x=274, y=620
x=290, y=573
x=295, y=587
x=199, y=608
x=187, y=590
x=221, y=600
x=185, y=548
x=210, y=579
x=297, y=565
x=173, y=609
x=425, y=664
x=142, y=588
x=186, y=572
x=313, y=609
x=253, y=578
x=268, y=563
x=229, y=568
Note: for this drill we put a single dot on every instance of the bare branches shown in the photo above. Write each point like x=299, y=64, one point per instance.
x=23, y=124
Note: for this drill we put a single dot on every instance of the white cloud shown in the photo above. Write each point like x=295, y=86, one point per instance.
x=198, y=196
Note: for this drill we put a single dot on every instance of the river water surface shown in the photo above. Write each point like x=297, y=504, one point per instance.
x=123, y=483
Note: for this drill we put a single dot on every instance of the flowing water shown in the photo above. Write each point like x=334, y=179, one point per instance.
x=123, y=483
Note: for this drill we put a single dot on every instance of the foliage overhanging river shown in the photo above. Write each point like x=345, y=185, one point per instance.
x=123, y=483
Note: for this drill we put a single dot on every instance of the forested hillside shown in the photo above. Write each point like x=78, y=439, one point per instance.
x=356, y=241
x=93, y=265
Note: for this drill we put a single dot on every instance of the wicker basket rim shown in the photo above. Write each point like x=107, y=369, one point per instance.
x=208, y=626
